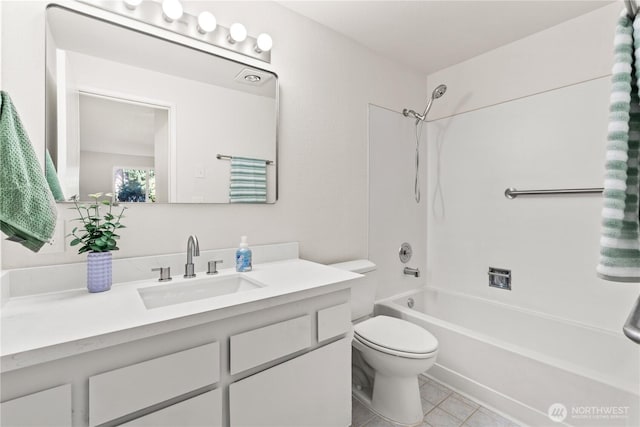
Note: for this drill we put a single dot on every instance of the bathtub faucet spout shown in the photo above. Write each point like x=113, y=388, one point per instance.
x=415, y=272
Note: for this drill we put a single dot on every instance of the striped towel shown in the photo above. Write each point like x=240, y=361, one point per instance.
x=248, y=182
x=619, y=243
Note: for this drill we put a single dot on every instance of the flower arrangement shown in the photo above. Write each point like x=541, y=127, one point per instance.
x=98, y=233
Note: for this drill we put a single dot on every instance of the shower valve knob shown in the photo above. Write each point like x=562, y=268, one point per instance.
x=405, y=252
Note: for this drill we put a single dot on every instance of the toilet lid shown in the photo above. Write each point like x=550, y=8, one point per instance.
x=396, y=334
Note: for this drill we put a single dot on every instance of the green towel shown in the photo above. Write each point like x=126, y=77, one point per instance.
x=248, y=183
x=52, y=178
x=619, y=242
x=27, y=208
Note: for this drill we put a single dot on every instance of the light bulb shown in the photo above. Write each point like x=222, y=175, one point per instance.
x=206, y=22
x=172, y=10
x=237, y=33
x=264, y=43
x=132, y=4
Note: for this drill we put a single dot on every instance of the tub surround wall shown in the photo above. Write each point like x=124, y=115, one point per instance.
x=574, y=51
x=554, y=137
x=322, y=138
x=394, y=215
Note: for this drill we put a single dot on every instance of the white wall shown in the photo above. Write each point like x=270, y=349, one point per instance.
x=394, y=215
x=326, y=84
x=532, y=114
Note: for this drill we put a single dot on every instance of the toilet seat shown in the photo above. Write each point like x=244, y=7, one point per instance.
x=396, y=337
x=392, y=352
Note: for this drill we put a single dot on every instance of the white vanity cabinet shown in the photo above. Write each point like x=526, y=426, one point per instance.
x=284, y=364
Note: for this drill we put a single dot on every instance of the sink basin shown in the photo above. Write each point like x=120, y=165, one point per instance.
x=197, y=288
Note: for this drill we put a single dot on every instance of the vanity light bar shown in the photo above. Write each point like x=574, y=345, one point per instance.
x=164, y=14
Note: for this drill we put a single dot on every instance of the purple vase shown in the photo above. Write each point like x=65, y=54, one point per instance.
x=98, y=271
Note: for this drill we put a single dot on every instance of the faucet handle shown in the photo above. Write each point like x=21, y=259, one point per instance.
x=213, y=266
x=165, y=273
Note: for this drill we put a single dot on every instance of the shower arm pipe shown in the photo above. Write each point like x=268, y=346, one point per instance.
x=512, y=193
x=632, y=8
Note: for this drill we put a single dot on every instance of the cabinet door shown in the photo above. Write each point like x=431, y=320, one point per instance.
x=46, y=408
x=199, y=411
x=311, y=390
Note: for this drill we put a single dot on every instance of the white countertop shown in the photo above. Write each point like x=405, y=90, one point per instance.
x=40, y=328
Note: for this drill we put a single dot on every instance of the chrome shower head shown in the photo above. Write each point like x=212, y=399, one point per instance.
x=439, y=91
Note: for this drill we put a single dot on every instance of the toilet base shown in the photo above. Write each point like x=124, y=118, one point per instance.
x=397, y=398
x=364, y=397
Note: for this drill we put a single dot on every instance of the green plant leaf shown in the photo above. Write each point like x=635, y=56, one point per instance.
x=97, y=231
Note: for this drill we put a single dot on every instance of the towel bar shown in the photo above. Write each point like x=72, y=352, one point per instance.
x=225, y=157
x=512, y=193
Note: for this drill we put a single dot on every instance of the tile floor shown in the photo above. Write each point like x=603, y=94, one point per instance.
x=442, y=408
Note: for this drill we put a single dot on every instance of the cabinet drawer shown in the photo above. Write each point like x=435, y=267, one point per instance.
x=46, y=408
x=126, y=390
x=262, y=345
x=202, y=410
x=334, y=321
x=311, y=390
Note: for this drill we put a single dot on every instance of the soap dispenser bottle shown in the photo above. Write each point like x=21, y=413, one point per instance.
x=243, y=256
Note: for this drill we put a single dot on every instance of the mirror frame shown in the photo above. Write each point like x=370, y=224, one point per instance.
x=95, y=12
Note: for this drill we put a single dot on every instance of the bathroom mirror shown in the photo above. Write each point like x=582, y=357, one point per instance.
x=151, y=120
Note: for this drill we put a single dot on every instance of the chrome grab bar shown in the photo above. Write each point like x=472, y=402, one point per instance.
x=512, y=193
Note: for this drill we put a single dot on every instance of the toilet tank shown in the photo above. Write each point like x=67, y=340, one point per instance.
x=363, y=290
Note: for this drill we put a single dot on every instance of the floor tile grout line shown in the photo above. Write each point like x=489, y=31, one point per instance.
x=471, y=415
x=449, y=413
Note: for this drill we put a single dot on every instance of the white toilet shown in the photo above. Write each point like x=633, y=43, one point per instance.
x=396, y=350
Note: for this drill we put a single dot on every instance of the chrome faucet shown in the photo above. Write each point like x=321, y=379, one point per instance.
x=193, y=249
x=415, y=272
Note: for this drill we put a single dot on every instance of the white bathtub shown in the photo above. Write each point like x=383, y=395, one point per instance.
x=521, y=362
